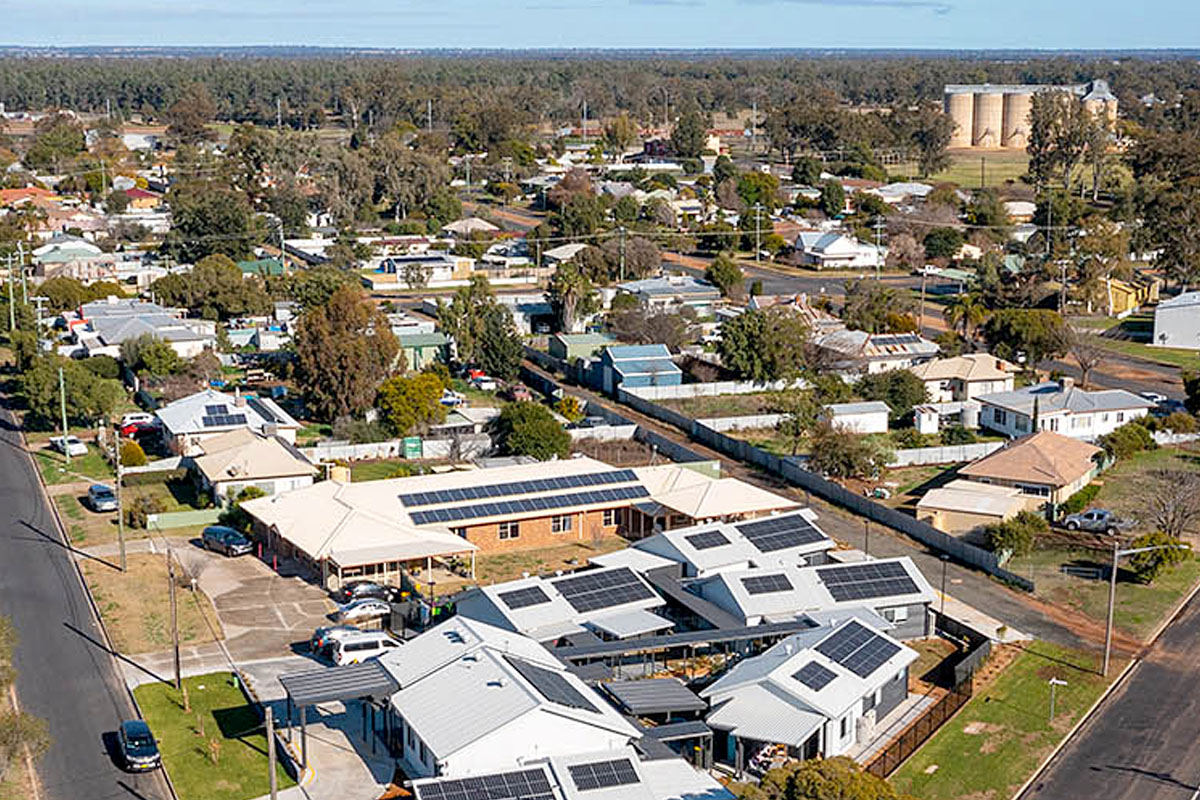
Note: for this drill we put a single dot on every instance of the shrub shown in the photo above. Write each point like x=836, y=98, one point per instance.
x=103, y=366
x=841, y=454
x=233, y=516
x=1016, y=535
x=1127, y=440
x=908, y=438
x=1149, y=565
x=957, y=434
x=1180, y=422
x=132, y=454
x=1081, y=499
x=139, y=508
x=528, y=429
x=153, y=478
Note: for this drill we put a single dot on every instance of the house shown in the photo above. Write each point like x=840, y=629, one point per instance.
x=562, y=254
x=963, y=506
x=422, y=349
x=405, y=324
x=965, y=377
x=867, y=417
x=570, y=346
x=680, y=497
x=833, y=250
x=1043, y=465
x=816, y=693
x=1177, y=322
x=262, y=267
x=820, y=321
x=102, y=326
x=240, y=458
x=419, y=270
x=636, y=365
x=1126, y=297
x=72, y=257
x=142, y=199
x=672, y=292
x=1062, y=408
x=190, y=421
x=861, y=353
x=469, y=227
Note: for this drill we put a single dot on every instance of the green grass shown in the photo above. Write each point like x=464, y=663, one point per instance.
x=378, y=470
x=55, y=469
x=1170, y=356
x=1126, y=484
x=1002, y=734
x=1000, y=166
x=313, y=432
x=219, y=712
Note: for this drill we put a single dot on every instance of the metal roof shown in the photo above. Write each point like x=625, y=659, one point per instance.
x=672, y=640
x=368, y=679
x=654, y=696
x=675, y=731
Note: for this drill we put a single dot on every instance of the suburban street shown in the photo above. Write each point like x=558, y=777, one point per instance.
x=65, y=675
x=1144, y=743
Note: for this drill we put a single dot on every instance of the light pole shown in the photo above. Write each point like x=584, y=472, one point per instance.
x=867, y=530
x=62, y=401
x=120, y=507
x=945, y=558
x=1054, y=683
x=1112, y=590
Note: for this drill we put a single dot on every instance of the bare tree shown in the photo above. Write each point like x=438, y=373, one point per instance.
x=1086, y=348
x=1173, y=501
x=194, y=563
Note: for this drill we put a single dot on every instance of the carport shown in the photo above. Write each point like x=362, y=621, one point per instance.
x=368, y=681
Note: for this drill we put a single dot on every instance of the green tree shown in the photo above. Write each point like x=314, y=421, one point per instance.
x=833, y=198
x=234, y=516
x=943, y=243
x=966, y=312
x=572, y=295
x=501, y=349
x=764, y=345
x=64, y=294
x=571, y=408
x=207, y=219
x=872, y=305
x=58, y=140
x=931, y=137
x=132, y=454
x=802, y=414
x=899, y=388
x=189, y=116
x=214, y=289
x=1149, y=565
x=724, y=169
x=1017, y=535
x=621, y=132
x=759, y=187
x=690, y=134
x=1127, y=440
x=1034, y=334
x=147, y=355
x=1191, y=387
x=88, y=398
x=414, y=403
x=839, y=453
x=807, y=171
x=463, y=317
x=724, y=273
x=529, y=429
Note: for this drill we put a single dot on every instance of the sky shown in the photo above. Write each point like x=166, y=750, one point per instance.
x=685, y=24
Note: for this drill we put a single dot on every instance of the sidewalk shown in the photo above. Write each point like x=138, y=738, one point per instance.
x=891, y=726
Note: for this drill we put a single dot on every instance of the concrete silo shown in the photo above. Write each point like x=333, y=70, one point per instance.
x=1017, y=107
x=988, y=118
x=959, y=106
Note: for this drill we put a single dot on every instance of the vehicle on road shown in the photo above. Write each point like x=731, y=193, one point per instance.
x=360, y=590
x=367, y=608
x=323, y=638
x=1095, y=520
x=221, y=539
x=101, y=498
x=358, y=648
x=1153, y=397
x=139, y=750
x=72, y=445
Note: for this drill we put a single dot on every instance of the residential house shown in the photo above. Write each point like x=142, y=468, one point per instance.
x=1126, y=297
x=102, y=326
x=570, y=346
x=1045, y=465
x=1177, y=322
x=672, y=292
x=866, y=417
x=241, y=458
x=833, y=250
x=965, y=377
x=262, y=268
x=420, y=270
x=964, y=506
x=469, y=227
x=861, y=353
x=73, y=257
x=405, y=324
x=192, y=420
x=422, y=349
x=142, y=199
x=563, y=254
x=1062, y=408
x=820, y=321
x=636, y=365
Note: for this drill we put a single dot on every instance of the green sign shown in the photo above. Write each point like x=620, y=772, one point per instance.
x=412, y=447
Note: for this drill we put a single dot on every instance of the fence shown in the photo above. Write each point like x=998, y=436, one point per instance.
x=184, y=519
x=1166, y=438
x=605, y=433
x=344, y=451
x=916, y=734
x=688, y=390
x=742, y=423
x=966, y=668
x=162, y=465
x=918, y=456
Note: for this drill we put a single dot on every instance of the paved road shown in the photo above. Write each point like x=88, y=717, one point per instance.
x=64, y=675
x=1144, y=743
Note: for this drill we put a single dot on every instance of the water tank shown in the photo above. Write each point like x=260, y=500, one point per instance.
x=959, y=106
x=1017, y=106
x=970, y=415
x=988, y=119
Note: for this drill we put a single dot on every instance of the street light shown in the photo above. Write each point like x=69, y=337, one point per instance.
x=1112, y=590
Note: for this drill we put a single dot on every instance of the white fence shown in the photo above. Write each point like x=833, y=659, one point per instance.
x=604, y=433
x=466, y=446
x=1167, y=438
x=919, y=456
x=162, y=465
x=714, y=389
x=750, y=422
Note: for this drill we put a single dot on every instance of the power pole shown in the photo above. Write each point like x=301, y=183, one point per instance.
x=429, y=115
x=878, y=249
x=583, y=123
x=12, y=311
x=271, y=751
x=174, y=615
x=278, y=114
x=120, y=507
x=753, y=125
x=921, y=308
x=622, y=254
x=21, y=264
x=62, y=404
x=757, y=231
x=282, y=247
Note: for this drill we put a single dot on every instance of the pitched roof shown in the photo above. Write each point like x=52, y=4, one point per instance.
x=1044, y=457
x=1054, y=397
x=197, y=413
x=244, y=455
x=970, y=367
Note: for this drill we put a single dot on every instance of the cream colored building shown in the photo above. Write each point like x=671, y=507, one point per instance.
x=963, y=506
x=949, y=380
x=1045, y=465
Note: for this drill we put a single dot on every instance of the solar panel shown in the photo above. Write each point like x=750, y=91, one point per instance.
x=857, y=649
x=603, y=774
x=815, y=676
x=216, y=411
x=551, y=685
x=417, y=499
x=766, y=584
x=780, y=533
x=523, y=506
x=866, y=581
x=589, y=591
x=262, y=409
x=528, y=784
x=707, y=540
x=523, y=598
x=222, y=420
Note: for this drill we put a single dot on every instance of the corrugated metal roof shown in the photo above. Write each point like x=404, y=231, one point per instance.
x=760, y=714
x=654, y=696
x=368, y=679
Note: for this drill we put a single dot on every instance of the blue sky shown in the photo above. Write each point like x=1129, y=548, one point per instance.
x=951, y=24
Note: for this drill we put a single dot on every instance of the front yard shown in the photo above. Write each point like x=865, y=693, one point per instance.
x=55, y=469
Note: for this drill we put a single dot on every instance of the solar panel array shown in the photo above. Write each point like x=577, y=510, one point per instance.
x=815, y=676
x=219, y=416
x=589, y=591
x=858, y=649
x=603, y=774
x=865, y=581
x=527, y=504
x=895, y=340
x=766, y=584
x=438, y=497
x=707, y=540
x=780, y=533
x=262, y=410
x=551, y=685
x=523, y=598
x=526, y=784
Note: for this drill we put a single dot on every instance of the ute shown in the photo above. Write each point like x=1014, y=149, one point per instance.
x=1096, y=520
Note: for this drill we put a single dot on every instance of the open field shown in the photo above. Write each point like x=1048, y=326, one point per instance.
x=1170, y=356
x=1125, y=485
x=999, y=167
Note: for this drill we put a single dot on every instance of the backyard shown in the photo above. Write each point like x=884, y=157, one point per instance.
x=86, y=528
x=724, y=405
x=212, y=741
x=499, y=567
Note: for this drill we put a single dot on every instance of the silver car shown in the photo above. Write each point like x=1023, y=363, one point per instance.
x=101, y=498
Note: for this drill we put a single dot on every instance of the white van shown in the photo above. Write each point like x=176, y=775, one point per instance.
x=356, y=648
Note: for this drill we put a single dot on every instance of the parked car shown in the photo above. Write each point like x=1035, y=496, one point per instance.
x=360, y=590
x=101, y=498
x=138, y=418
x=139, y=750
x=145, y=400
x=1096, y=520
x=1153, y=397
x=220, y=539
x=452, y=398
x=72, y=445
x=323, y=638
x=518, y=392
x=1170, y=406
x=366, y=608
x=360, y=647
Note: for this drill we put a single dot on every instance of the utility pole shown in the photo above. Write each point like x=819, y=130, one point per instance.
x=753, y=126
x=1112, y=591
x=621, y=252
x=270, y=712
x=583, y=123
x=429, y=115
x=12, y=311
x=878, y=248
x=467, y=159
x=174, y=614
x=921, y=308
x=120, y=507
x=21, y=265
x=278, y=114
x=62, y=404
x=757, y=231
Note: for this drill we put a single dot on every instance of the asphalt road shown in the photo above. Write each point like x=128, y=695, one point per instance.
x=1144, y=743
x=64, y=674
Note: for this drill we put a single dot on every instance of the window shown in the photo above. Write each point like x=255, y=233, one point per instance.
x=612, y=517
x=1033, y=489
x=1022, y=423
x=1000, y=416
x=1120, y=417
x=1104, y=417
x=510, y=530
x=869, y=702
x=845, y=726
x=459, y=532
x=1054, y=424
x=424, y=754
x=560, y=524
x=412, y=738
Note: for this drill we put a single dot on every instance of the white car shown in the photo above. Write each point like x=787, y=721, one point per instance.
x=452, y=398
x=138, y=418
x=484, y=384
x=72, y=445
x=367, y=608
x=1153, y=397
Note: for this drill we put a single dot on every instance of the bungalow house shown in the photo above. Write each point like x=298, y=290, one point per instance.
x=73, y=257
x=672, y=292
x=1062, y=408
x=866, y=417
x=142, y=199
x=468, y=227
x=862, y=353
x=100, y=327
x=419, y=270
x=261, y=267
x=562, y=254
x=636, y=365
x=241, y=458
x=570, y=346
x=1177, y=322
x=422, y=349
x=1045, y=465
x=833, y=250
x=965, y=377
x=191, y=421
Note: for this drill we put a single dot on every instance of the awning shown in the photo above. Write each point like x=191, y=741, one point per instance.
x=352, y=682
x=678, y=731
x=756, y=713
x=654, y=696
x=633, y=622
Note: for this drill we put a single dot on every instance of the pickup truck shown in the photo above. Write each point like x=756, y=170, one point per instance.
x=1096, y=520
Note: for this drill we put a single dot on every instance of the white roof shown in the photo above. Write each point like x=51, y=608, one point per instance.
x=470, y=225
x=974, y=498
x=631, y=622
x=700, y=497
x=191, y=414
x=846, y=409
x=564, y=252
x=243, y=455
x=1185, y=300
x=626, y=791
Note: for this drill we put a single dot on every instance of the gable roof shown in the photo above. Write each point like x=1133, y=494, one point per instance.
x=1052, y=397
x=191, y=414
x=1044, y=457
x=244, y=455
x=969, y=367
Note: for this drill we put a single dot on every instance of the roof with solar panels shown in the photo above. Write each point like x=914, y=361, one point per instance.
x=211, y=411
x=823, y=671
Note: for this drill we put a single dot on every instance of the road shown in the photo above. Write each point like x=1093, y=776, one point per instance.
x=64, y=674
x=1144, y=742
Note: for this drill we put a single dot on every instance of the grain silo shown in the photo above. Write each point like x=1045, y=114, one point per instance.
x=959, y=105
x=1017, y=107
x=988, y=118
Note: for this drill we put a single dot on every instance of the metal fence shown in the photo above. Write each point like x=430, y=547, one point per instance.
x=713, y=389
x=916, y=734
x=949, y=454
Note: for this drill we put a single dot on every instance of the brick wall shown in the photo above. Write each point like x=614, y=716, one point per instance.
x=538, y=532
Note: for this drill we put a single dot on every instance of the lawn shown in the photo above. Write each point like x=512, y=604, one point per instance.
x=313, y=432
x=136, y=606
x=725, y=405
x=1170, y=356
x=1125, y=484
x=509, y=566
x=999, y=167
x=55, y=469
x=361, y=471
x=1004, y=732
x=236, y=768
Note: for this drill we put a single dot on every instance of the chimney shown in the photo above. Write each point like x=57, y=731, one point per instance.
x=239, y=399
x=1066, y=384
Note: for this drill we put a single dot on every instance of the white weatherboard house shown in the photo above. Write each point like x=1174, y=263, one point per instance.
x=965, y=377
x=1061, y=408
x=834, y=250
x=191, y=420
x=1177, y=322
x=869, y=417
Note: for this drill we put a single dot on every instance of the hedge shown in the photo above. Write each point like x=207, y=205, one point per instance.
x=1081, y=499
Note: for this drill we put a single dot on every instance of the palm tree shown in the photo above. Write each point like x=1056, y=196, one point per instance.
x=966, y=313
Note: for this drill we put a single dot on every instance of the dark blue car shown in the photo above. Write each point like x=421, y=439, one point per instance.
x=139, y=750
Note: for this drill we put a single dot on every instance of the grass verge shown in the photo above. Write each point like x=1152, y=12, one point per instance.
x=1004, y=732
x=215, y=750
x=1168, y=356
x=56, y=470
